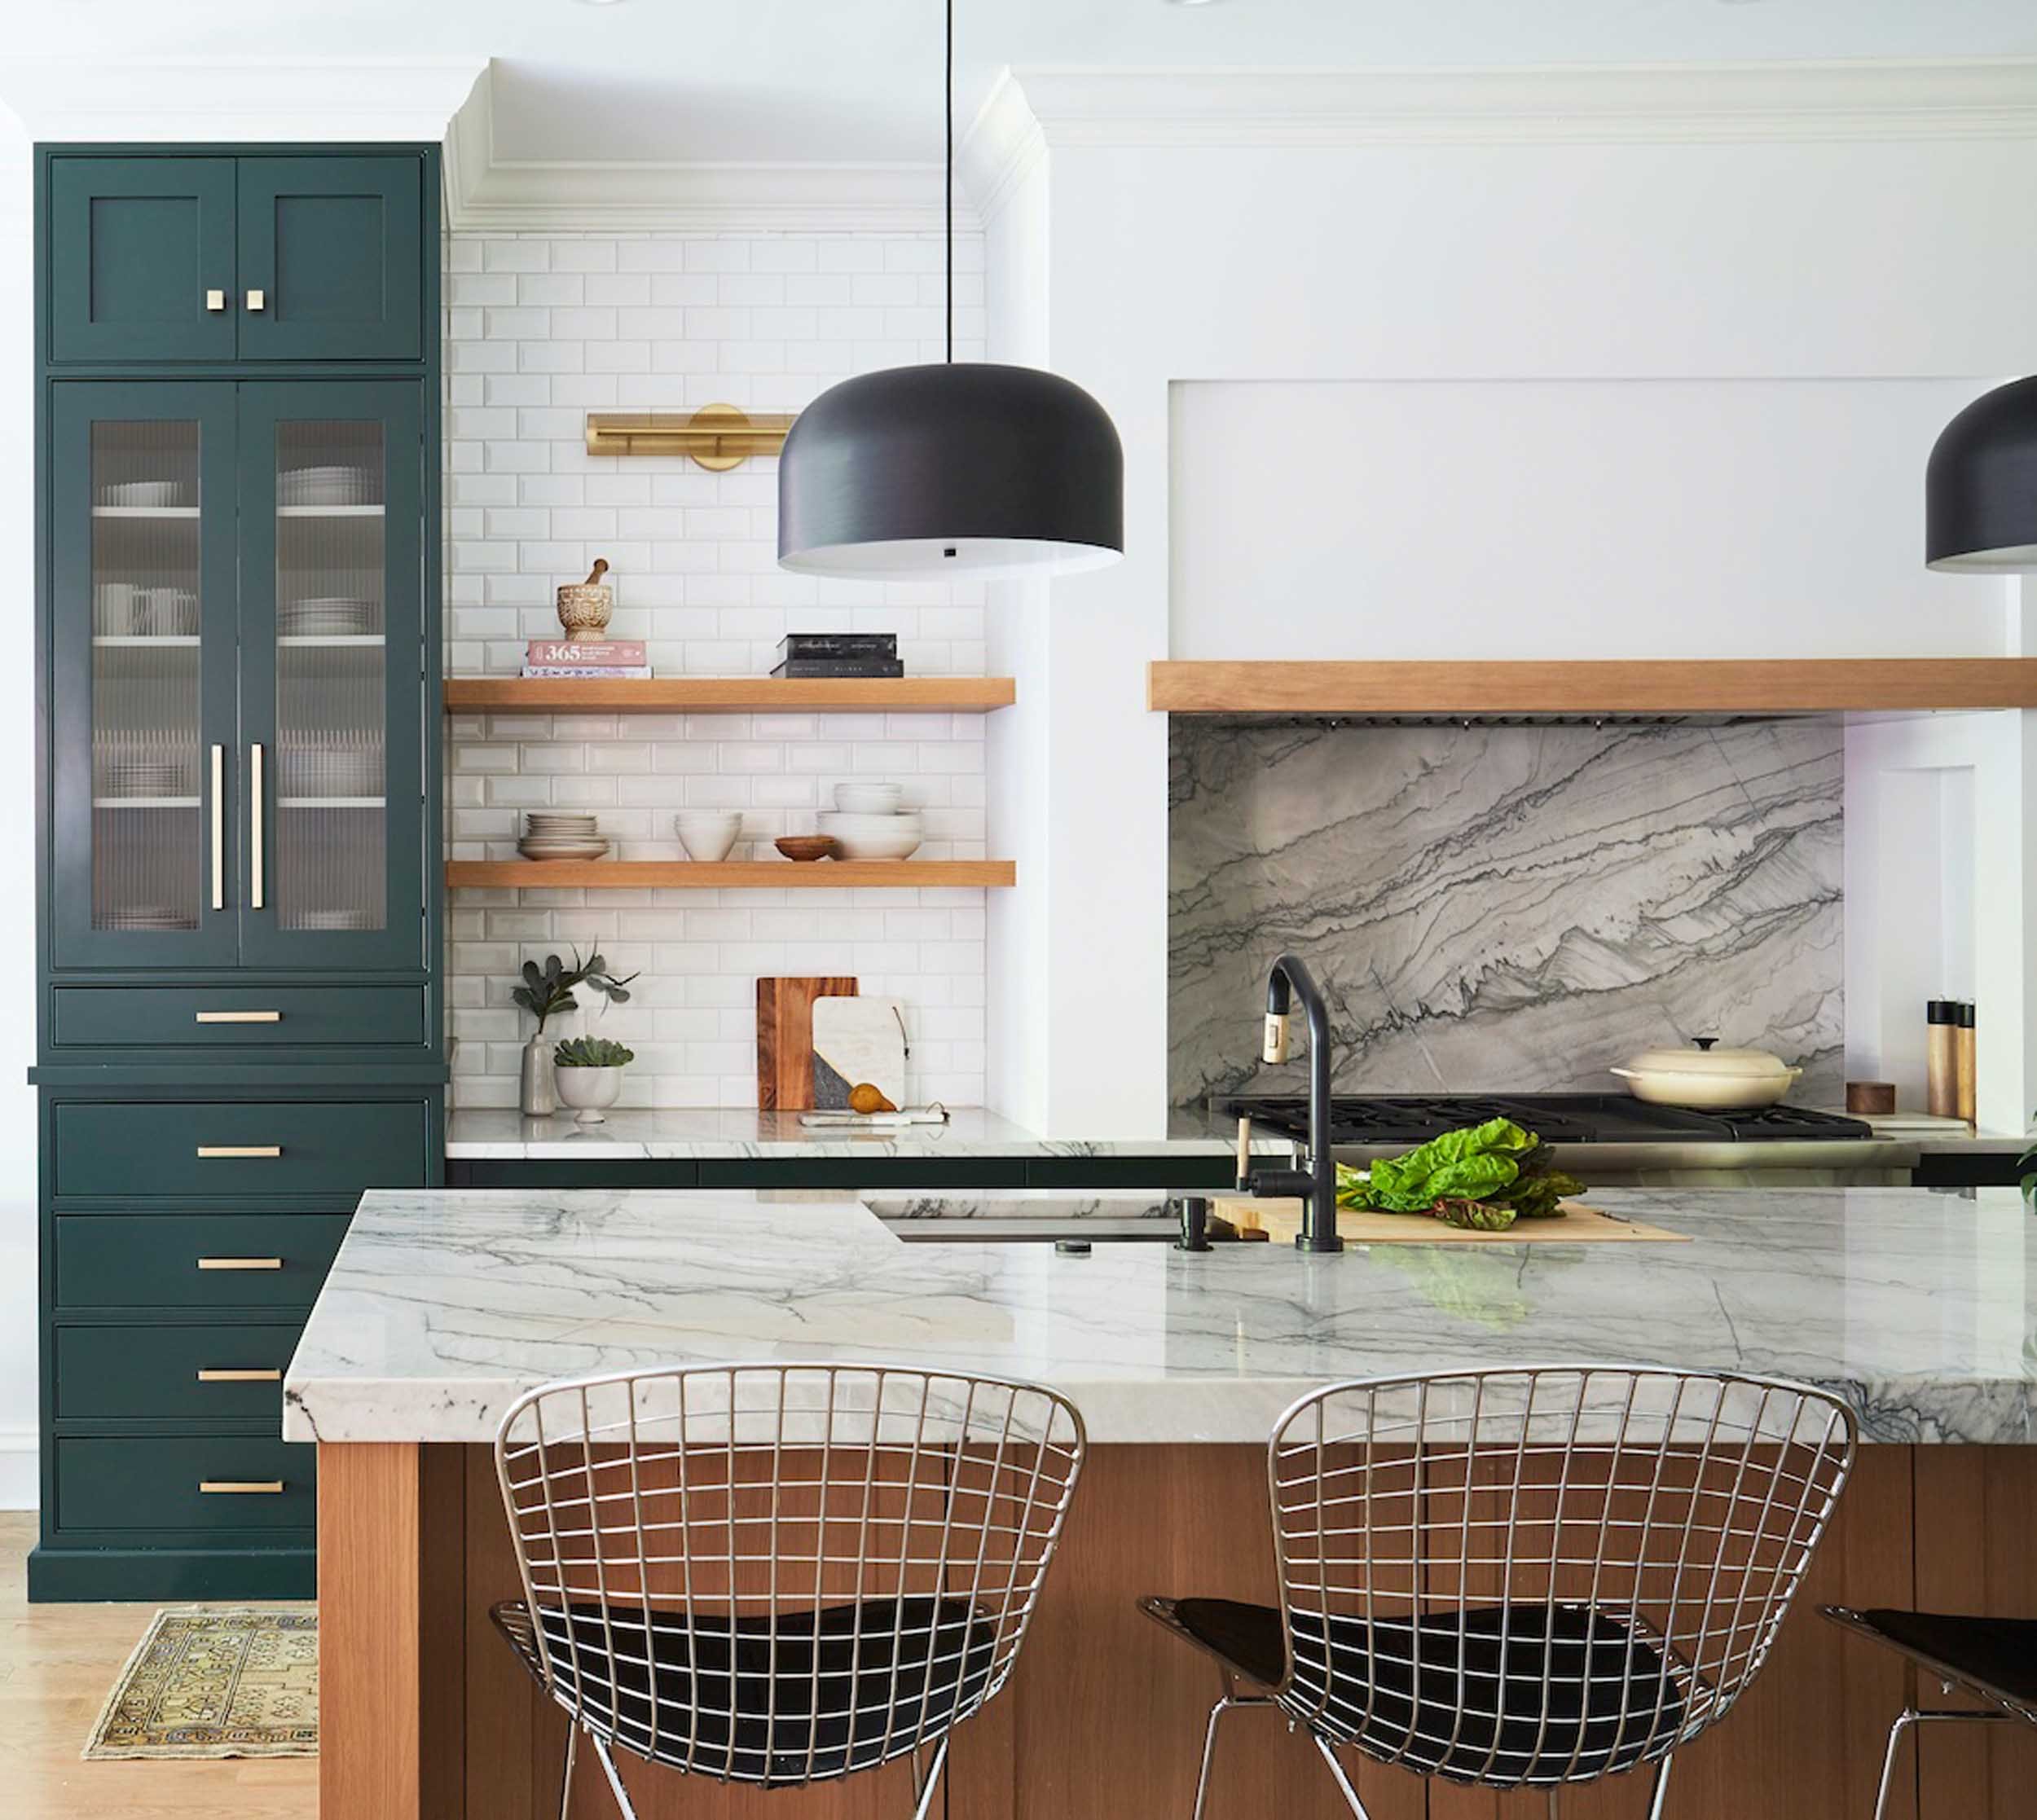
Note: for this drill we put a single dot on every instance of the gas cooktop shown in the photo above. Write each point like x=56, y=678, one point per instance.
x=1411, y=1118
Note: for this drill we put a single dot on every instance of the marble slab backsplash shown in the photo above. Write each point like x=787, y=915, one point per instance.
x=1505, y=908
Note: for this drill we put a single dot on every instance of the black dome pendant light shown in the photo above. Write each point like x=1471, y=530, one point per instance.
x=957, y=469
x=1980, y=487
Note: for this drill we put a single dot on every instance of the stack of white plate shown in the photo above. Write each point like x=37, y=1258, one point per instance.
x=143, y=777
x=328, y=616
x=869, y=822
x=142, y=493
x=322, y=486
x=559, y=834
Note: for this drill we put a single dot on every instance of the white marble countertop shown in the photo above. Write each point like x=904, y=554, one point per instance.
x=445, y=1305
x=685, y=1131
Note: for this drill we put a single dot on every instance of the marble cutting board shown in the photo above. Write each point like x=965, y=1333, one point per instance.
x=856, y=1041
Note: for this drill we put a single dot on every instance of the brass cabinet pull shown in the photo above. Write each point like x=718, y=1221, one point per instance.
x=240, y=1263
x=254, y=798
x=215, y=300
x=240, y=1149
x=219, y=827
x=240, y=1487
x=229, y=1374
x=238, y=1017
x=256, y=301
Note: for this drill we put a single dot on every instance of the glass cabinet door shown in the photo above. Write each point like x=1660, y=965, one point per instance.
x=142, y=577
x=333, y=707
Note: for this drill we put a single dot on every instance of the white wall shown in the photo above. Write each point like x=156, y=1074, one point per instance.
x=18, y=1245
x=542, y=327
x=1183, y=244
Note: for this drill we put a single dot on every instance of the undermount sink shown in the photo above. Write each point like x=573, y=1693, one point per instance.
x=1024, y=1217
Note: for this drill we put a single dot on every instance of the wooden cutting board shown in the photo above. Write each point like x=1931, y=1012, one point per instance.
x=1576, y=1225
x=785, y=1039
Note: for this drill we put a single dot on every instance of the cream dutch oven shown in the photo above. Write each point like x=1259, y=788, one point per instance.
x=1706, y=1078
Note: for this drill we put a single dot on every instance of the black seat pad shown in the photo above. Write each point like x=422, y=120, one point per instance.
x=805, y=1686
x=1995, y=1656
x=1443, y=1696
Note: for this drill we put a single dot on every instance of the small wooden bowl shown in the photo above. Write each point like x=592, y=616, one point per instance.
x=806, y=847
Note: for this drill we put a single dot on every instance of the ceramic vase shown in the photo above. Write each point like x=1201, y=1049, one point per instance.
x=539, y=1100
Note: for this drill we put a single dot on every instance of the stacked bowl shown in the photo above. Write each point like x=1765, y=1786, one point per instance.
x=869, y=822
x=555, y=835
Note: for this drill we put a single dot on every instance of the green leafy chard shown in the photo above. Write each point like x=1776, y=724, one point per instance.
x=1482, y=1178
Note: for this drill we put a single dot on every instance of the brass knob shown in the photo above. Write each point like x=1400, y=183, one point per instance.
x=215, y=300
x=256, y=300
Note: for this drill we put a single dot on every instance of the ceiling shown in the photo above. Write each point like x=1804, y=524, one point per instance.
x=858, y=80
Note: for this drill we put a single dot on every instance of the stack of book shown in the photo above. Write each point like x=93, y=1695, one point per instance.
x=839, y=654
x=580, y=656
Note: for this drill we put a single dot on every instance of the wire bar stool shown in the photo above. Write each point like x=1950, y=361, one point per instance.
x=779, y=1575
x=1525, y=1577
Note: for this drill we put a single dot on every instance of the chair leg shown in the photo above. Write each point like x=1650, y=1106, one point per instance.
x=615, y=1782
x=929, y=1784
x=566, y=1785
x=1904, y=1720
x=1662, y=1794
x=1344, y=1783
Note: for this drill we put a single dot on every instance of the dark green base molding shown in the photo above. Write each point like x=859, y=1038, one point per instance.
x=104, y=1575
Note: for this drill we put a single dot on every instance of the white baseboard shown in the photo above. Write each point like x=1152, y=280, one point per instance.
x=20, y=1484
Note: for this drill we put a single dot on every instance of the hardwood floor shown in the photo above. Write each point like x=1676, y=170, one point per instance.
x=57, y=1663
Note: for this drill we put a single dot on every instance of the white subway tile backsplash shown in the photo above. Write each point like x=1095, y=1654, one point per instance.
x=541, y=330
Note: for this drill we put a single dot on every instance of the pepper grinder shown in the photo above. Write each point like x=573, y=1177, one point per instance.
x=1965, y=1072
x=1941, y=1058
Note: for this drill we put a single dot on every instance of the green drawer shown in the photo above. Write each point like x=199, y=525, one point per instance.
x=157, y=1482
x=233, y=1148
x=193, y=1260
x=175, y=1373
x=237, y=1018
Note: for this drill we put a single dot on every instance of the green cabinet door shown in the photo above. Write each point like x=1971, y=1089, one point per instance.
x=331, y=257
x=141, y=258
x=333, y=667
x=143, y=799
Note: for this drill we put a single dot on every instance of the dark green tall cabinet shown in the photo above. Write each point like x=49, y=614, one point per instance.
x=238, y=673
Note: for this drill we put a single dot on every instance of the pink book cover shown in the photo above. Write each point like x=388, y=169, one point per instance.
x=585, y=651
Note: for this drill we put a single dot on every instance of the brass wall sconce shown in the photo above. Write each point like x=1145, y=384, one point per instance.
x=717, y=436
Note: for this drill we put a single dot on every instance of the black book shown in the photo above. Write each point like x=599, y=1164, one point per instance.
x=840, y=666
x=837, y=644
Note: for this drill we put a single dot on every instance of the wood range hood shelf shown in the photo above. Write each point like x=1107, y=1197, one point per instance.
x=1481, y=690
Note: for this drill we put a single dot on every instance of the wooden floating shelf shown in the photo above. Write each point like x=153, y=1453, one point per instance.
x=1662, y=686
x=725, y=875
x=709, y=695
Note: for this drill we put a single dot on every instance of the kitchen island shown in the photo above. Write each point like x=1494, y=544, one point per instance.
x=444, y=1306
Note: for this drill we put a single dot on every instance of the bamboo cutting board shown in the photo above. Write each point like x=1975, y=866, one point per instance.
x=785, y=1039
x=1577, y=1224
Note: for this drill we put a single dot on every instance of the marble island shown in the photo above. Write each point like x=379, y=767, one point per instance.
x=1918, y=1307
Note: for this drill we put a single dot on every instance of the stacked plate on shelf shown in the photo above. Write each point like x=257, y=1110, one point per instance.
x=145, y=777
x=558, y=834
x=328, y=616
x=154, y=494
x=322, y=486
x=145, y=915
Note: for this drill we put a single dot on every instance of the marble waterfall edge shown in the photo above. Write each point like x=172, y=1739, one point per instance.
x=1492, y=907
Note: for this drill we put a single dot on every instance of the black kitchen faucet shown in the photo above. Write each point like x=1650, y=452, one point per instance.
x=1315, y=1185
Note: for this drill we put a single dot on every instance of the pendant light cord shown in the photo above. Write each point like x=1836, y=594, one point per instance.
x=949, y=88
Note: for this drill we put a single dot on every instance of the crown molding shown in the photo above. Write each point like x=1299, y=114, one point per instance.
x=486, y=194
x=1003, y=146
x=1939, y=99
x=211, y=100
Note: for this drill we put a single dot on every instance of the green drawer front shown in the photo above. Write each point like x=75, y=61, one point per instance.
x=145, y=1373
x=237, y=1018
x=156, y=1483
x=197, y=1260
x=297, y=1146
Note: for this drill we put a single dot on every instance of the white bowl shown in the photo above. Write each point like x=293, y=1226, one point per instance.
x=590, y=1091
x=864, y=837
x=868, y=799
x=708, y=834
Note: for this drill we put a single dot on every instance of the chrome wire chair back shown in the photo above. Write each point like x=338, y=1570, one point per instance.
x=1540, y=1575
x=777, y=1574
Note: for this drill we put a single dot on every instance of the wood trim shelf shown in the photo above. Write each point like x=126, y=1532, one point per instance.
x=699, y=695
x=1730, y=685
x=726, y=875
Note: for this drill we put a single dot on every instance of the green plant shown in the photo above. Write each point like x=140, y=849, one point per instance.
x=592, y=1052
x=1483, y=1177
x=546, y=990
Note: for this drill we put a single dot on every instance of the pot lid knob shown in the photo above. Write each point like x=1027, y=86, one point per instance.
x=1705, y=1042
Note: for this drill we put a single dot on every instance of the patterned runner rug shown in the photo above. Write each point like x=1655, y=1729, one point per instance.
x=215, y=1682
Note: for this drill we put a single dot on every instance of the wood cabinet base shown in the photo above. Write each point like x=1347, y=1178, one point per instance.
x=426, y=1714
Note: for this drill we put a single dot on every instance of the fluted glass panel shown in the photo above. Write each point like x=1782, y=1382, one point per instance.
x=148, y=774
x=331, y=663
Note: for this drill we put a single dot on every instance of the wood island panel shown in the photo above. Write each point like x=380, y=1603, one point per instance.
x=427, y=1713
